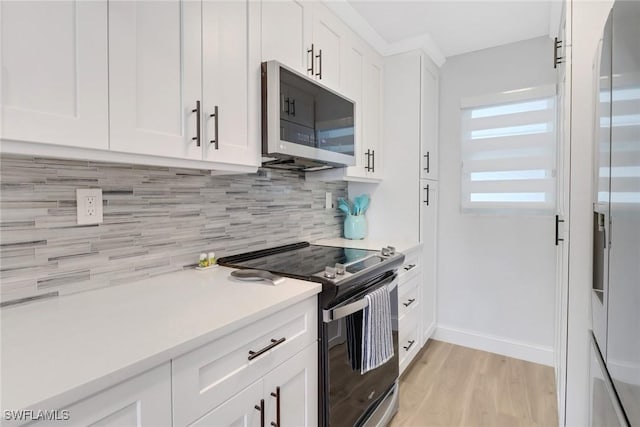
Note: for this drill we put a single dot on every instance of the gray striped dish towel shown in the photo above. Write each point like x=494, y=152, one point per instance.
x=377, y=338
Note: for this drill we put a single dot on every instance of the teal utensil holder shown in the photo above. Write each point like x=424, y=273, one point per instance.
x=355, y=227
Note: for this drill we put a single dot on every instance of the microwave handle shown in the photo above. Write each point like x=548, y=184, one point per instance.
x=345, y=310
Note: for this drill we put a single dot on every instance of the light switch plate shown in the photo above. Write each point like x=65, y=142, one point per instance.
x=89, y=206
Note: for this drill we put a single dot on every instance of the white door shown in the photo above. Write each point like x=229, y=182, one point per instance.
x=328, y=40
x=54, y=72
x=372, y=116
x=225, y=82
x=142, y=401
x=293, y=386
x=429, y=131
x=242, y=410
x=286, y=33
x=429, y=238
x=155, y=77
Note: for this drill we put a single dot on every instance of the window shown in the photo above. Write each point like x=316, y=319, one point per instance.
x=509, y=152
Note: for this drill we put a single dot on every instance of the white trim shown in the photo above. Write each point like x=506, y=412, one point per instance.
x=509, y=96
x=361, y=27
x=423, y=42
x=77, y=153
x=494, y=344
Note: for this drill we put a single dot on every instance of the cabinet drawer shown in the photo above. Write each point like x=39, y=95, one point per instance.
x=408, y=297
x=143, y=400
x=211, y=374
x=409, y=341
x=410, y=268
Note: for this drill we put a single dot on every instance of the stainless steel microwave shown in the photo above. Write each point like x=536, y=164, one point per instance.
x=305, y=126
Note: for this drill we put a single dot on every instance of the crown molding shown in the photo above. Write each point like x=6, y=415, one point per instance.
x=357, y=23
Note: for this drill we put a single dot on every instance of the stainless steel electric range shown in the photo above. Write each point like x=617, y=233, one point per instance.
x=346, y=397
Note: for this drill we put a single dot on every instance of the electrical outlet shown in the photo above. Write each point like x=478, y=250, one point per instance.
x=89, y=206
x=328, y=200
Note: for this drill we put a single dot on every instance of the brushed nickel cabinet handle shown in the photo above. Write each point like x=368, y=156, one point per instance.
x=407, y=347
x=277, y=396
x=261, y=409
x=274, y=342
x=319, y=56
x=197, y=111
x=311, y=51
x=215, y=116
x=409, y=302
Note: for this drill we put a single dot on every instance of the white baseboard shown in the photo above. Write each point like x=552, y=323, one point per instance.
x=428, y=333
x=494, y=344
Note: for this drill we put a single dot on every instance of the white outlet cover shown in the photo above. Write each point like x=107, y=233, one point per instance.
x=82, y=207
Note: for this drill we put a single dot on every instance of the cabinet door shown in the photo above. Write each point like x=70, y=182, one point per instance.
x=286, y=33
x=353, y=72
x=429, y=131
x=372, y=116
x=54, y=72
x=144, y=400
x=239, y=411
x=429, y=238
x=293, y=386
x=329, y=37
x=155, y=77
x=225, y=82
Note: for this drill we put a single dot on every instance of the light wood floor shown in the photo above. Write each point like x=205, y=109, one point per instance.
x=449, y=385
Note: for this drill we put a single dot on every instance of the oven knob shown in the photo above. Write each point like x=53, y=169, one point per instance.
x=339, y=269
x=385, y=252
x=330, y=272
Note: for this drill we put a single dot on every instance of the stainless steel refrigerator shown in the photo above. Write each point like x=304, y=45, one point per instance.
x=615, y=349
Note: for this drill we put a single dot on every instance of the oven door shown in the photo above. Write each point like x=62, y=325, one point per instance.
x=349, y=398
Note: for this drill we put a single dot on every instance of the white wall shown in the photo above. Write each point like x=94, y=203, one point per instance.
x=496, y=278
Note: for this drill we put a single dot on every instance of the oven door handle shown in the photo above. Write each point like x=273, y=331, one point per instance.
x=345, y=310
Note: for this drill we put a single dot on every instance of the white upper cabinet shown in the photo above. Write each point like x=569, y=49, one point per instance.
x=180, y=80
x=286, y=33
x=231, y=75
x=429, y=129
x=372, y=116
x=54, y=72
x=154, y=72
x=362, y=76
x=330, y=37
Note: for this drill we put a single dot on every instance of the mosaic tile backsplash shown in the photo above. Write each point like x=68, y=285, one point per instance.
x=156, y=220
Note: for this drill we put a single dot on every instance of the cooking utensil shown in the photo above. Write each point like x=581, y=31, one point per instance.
x=256, y=275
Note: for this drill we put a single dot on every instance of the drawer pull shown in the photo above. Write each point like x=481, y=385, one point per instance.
x=261, y=409
x=407, y=347
x=409, y=302
x=409, y=267
x=254, y=354
x=277, y=396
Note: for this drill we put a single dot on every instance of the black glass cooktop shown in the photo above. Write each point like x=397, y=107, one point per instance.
x=303, y=260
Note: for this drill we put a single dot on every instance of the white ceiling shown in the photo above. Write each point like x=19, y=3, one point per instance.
x=456, y=26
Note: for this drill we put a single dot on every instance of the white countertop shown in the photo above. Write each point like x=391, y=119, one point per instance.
x=82, y=343
x=372, y=244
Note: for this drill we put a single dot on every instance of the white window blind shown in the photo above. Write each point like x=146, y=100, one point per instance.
x=509, y=152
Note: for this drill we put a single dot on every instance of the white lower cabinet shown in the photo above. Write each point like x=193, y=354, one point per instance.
x=410, y=303
x=428, y=236
x=242, y=410
x=296, y=384
x=141, y=401
x=209, y=376
x=286, y=396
